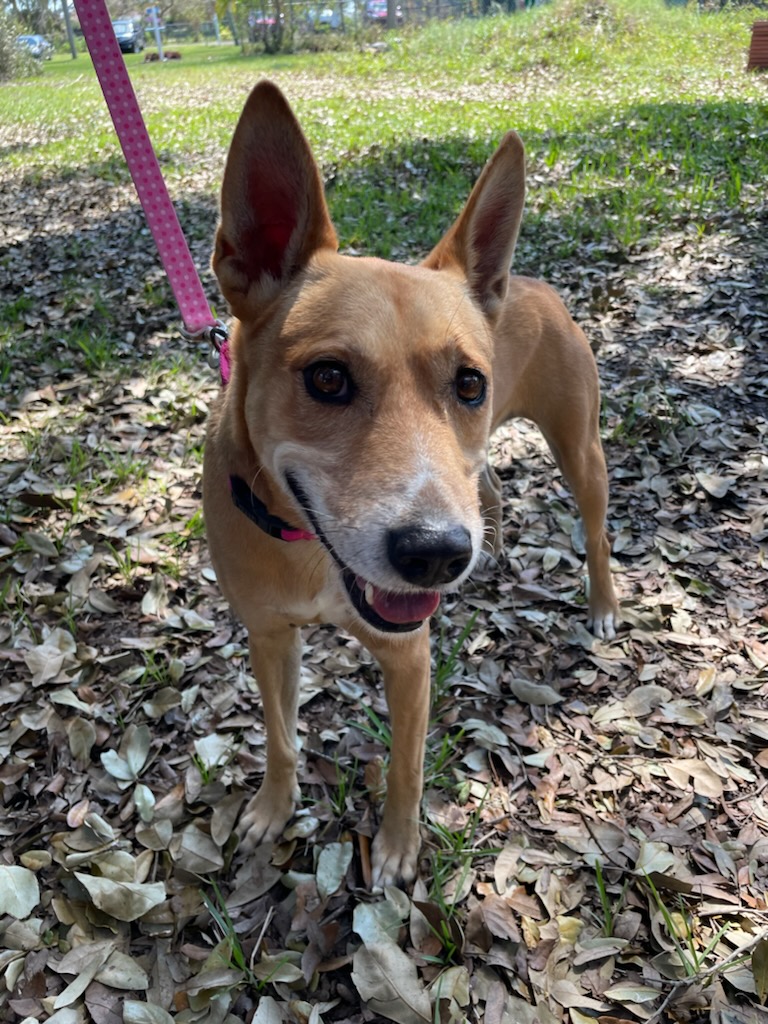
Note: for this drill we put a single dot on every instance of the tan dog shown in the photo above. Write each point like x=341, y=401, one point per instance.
x=344, y=460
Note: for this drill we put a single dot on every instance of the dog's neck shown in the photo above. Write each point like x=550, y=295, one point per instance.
x=242, y=495
x=247, y=502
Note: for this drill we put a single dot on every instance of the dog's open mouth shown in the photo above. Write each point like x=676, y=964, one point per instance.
x=385, y=610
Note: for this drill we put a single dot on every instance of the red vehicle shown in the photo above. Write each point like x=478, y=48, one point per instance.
x=376, y=12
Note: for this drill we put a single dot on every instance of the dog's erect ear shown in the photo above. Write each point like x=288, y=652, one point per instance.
x=481, y=242
x=273, y=210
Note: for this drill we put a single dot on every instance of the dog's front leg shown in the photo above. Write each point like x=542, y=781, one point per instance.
x=405, y=662
x=276, y=663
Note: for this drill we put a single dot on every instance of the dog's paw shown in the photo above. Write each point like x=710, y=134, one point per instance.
x=264, y=818
x=604, y=624
x=395, y=857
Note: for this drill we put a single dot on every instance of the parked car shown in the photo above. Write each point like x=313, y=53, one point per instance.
x=319, y=18
x=129, y=33
x=38, y=46
x=260, y=23
x=341, y=15
x=376, y=12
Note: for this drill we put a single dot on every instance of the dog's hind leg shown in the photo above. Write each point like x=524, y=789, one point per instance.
x=405, y=663
x=582, y=463
x=276, y=663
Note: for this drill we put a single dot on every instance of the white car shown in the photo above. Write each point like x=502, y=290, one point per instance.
x=38, y=46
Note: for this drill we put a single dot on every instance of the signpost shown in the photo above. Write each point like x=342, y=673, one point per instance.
x=153, y=13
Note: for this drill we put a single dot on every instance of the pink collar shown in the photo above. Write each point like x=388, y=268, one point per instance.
x=257, y=512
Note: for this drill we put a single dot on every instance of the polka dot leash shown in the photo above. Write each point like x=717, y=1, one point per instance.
x=145, y=171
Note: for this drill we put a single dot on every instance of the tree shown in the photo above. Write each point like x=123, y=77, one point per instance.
x=14, y=61
x=254, y=21
x=36, y=16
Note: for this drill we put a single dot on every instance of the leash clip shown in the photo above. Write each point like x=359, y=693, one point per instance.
x=216, y=334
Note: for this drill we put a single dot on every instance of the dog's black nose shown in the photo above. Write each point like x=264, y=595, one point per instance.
x=427, y=557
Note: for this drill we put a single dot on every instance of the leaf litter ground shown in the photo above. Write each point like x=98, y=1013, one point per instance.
x=595, y=817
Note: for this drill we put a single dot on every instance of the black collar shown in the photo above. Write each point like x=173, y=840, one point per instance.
x=247, y=502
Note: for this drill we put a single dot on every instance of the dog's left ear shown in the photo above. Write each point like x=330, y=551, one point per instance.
x=481, y=242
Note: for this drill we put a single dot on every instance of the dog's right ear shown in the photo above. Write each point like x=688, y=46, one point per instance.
x=273, y=210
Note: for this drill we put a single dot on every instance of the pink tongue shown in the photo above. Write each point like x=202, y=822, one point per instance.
x=404, y=607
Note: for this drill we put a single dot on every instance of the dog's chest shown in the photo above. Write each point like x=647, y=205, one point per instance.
x=329, y=605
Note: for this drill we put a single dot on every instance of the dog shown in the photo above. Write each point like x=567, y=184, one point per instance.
x=150, y=58
x=345, y=471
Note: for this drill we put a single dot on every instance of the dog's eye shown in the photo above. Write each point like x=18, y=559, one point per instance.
x=328, y=381
x=471, y=386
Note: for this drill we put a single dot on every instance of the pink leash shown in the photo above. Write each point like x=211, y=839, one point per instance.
x=164, y=225
x=147, y=177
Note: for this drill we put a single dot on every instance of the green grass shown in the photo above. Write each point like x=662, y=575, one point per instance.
x=632, y=111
